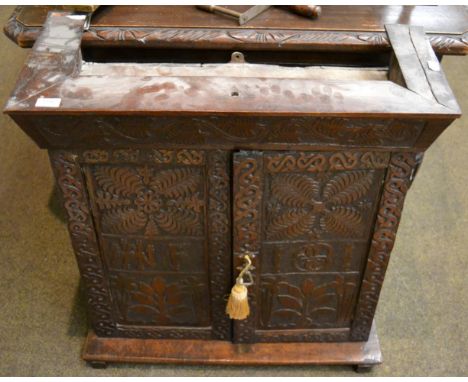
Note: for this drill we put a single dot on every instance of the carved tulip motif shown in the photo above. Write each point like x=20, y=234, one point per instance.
x=159, y=301
x=308, y=304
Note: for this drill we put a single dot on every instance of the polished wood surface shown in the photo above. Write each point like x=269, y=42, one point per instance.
x=103, y=350
x=339, y=28
x=435, y=19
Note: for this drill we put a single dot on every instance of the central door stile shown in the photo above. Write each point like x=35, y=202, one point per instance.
x=247, y=191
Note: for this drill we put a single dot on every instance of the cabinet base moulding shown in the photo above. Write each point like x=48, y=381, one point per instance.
x=98, y=351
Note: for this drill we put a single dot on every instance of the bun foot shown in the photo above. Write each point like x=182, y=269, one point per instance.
x=363, y=368
x=97, y=364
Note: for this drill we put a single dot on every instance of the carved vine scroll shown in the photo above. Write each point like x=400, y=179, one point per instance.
x=26, y=35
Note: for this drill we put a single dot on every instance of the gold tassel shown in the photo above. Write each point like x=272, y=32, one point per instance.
x=238, y=304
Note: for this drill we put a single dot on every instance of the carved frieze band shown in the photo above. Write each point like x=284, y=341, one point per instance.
x=248, y=190
x=118, y=131
x=219, y=231
x=153, y=156
x=25, y=36
x=311, y=162
x=400, y=174
x=71, y=184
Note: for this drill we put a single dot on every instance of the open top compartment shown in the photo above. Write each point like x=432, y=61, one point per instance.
x=415, y=85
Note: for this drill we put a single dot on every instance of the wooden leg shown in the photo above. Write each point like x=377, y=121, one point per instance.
x=97, y=364
x=363, y=368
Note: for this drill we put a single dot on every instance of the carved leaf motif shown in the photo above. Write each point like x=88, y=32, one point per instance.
x=124, y=220
x=144, y=298
x=179, y=222
x=343, y=221
x=347, y=187
x=118, y=180
x=291, y=224
x=290, y=299
x=180, y=182
x=295, y=190
x=151, y=229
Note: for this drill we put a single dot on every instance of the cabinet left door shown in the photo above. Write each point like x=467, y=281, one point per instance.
x=151, y=232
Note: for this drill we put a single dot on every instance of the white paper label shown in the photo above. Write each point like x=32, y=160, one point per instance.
x=77, y=17
x=48, y=102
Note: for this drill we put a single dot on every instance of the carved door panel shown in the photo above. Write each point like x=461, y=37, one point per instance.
x=163, y=224
x=307, y=218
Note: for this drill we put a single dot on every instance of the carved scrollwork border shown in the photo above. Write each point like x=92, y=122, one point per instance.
x=248, y=188
x=400, y=174
x=83, y=237
x=219, y=231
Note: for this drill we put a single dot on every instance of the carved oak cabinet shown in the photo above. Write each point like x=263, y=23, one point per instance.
x=170, y=173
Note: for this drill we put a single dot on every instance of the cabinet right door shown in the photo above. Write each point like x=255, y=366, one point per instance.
x=307, y=217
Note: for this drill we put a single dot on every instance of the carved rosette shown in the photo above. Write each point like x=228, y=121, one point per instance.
x=71, y=184
x=400, y=174
x=247, y=231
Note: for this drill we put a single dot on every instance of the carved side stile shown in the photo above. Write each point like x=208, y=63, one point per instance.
x=400, y=174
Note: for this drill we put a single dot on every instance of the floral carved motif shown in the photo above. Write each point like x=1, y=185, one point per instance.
x=311, y=303
x=227, y=37
x=142, y=200
x=157, y=301
x=313, y=257
x=303, y=205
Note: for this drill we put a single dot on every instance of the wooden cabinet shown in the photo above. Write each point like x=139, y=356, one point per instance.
x=170, y=174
